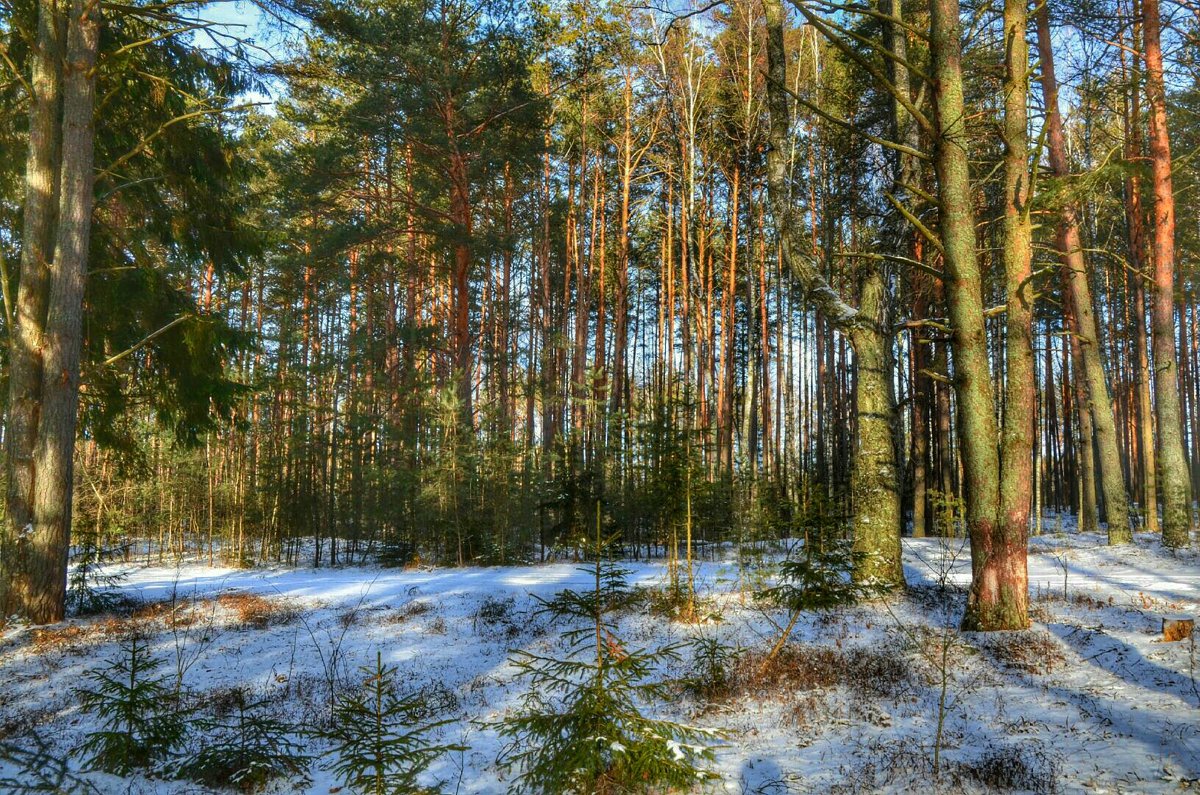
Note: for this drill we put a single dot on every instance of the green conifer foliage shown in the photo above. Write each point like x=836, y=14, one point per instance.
x=143, y=721
x=380, y=740
x=581, y=727
x=245, y=748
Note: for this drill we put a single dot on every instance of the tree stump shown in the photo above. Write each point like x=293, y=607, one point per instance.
x=1174, y=629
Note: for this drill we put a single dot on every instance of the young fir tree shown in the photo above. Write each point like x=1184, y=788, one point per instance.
x=142, y=719
x=581, y=727
x=380, y=739
x=245, y=748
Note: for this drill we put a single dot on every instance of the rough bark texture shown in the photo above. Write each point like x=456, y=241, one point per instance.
x=53, y=456
x=875, y=474
x=1135, y=225
x=1078, y=293
x=999, y=591
x=1020, y=397
x=1175, y=484
x=25, y=360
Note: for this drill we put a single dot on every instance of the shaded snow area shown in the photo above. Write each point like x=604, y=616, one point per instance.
x=1087, y=700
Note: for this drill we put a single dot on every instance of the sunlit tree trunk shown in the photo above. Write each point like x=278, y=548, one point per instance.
x=1016, y=443
x=999, y=591
x=33, y=292
x=875, y=483
x=1175, y=483
x=53, y=455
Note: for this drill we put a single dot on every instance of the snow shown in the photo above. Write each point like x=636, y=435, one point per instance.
x=1112, y=711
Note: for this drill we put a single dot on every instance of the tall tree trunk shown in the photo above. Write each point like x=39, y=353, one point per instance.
x=1078, y=293
x=461, y=214
x=875, y=474
x=1135, y=225
x=33, y=292
x=1176, y=485
x=53, y=457
x=1016, y=445
x=999, y=593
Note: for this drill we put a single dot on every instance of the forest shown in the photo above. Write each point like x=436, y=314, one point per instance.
x=787, y=356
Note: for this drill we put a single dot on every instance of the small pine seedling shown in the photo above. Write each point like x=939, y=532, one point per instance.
x=246, y=748
x=380, y=744
x=143, y=719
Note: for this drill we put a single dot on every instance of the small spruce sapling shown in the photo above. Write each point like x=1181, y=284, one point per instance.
x=90, y=588
x=818, y=579
x=380, y=740
x=245, y=748
x=581, y=727
x=144, y=721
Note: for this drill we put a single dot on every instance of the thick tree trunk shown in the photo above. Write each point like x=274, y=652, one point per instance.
x=1079, y=294
x=53, y=456
x=1020, y=396
x=999, y=590
x=1175, y=484
x=33, y=292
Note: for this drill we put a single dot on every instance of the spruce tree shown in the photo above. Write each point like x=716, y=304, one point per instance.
x=142, y=719
x=582, y=726
x=381, y=739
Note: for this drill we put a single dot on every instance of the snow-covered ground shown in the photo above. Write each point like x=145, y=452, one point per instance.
x=1087, y=700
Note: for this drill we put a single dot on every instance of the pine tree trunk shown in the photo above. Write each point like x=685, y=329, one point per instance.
x=53, y=456
x=875, y=479
x=1176, y=485
x=1016, y=444
x=33, y=292
x=1137, y=260
x=1078, y=293
x=999, y=591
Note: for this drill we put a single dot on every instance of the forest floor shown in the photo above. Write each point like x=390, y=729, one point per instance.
x=1087, y=700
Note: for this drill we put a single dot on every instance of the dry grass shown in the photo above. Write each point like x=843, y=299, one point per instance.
x=1081, y=599
x=252, y=611
x=408, y=611
x=866, y=673
x=1032, y=651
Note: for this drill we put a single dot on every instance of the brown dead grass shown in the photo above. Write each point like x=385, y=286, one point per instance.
x=407, y=611
x=868, y=673
x=253, y=611
x=1031, y=651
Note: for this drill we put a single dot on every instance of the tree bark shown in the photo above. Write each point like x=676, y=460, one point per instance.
x=999, y=591
x=53, y=459
x=1175, y=484
x=33, y=292
x=875, y=476
x=1016, y=444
